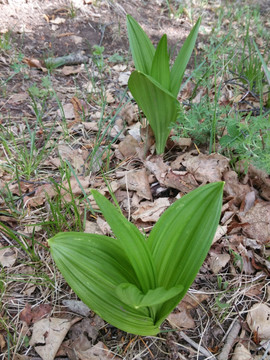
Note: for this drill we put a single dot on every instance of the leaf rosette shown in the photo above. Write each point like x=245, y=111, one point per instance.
x=133, y=281
x=154, y=85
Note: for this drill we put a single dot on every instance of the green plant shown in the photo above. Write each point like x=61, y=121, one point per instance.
x=72, y=10
x=154, y=85
x=24, y=156
x=116, y=58
x=5, y=40
x=98, y=57
x=40, y=98
x=20, y=241
x=248, y=139
x=133, y=281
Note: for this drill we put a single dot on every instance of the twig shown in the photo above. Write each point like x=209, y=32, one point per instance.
x=71, y=59
x=230, y=341
x=201, y=349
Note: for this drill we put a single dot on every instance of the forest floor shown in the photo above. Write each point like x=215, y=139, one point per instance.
x=68, y=124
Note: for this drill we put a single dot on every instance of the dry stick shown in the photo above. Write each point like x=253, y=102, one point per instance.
x=230, y=341
x=201, y=349
x=71, y=59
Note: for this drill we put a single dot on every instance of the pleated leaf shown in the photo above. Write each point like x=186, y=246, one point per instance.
x=158, y=104
x=160, y=70
x=135, y=298
x=132, y=242
x=141, y=47
x=181, y=238
x=182, y=59
x=107, y=273
x=93, y=266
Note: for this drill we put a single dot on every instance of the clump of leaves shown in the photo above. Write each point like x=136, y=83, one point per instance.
x=132, y=281
x=154, y=85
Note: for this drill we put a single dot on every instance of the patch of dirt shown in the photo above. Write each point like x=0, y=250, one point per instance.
x=45, y=27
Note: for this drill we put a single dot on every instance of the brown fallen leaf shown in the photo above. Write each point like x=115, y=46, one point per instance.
x=234, y=188
x=261, y=180
x=103, y=226
x=183, y=143
x=260, y=263
x=71, y=70
x=128, y=147
x=74, y=156
x=48, y=190
x=97, y=352
x=32, y=315
x=21, y=187
x=129, y=113
x=77, y=306
x=8, y=256
x=84, y=333
x=181, y=317
x=32, y=62
x=248, y=201
x=151, y=211
x=92, y=228
x=109, y=97
x=90, y=126
x=180, y=180
x=137, y=180
x=192, y=300
x=258, y=320
x=221, y=231
x=2, y=342
x=78, y=110
x=19, y=97
x=48, y=335
x=241, y=353
x=181, y=320
x=21, y=357
x=40, y=195
x=148, y=137
x=258, y=220
x=68, y=110
x=123, y=78
x=218, y=261
x=207, y=168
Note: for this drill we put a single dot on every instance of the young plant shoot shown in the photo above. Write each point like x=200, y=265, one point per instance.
x=154, y=85
x=133, y=281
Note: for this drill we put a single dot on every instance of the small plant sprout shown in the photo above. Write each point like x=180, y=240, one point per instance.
x=133, y=281
x=154, y=85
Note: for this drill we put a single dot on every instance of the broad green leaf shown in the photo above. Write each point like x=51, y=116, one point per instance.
x=158, y=104
x=132, y=242
x=135, y=298
x=160, y=70
x=141, y=47
x=181, y=238
x=93, y=266
x=182, y=59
